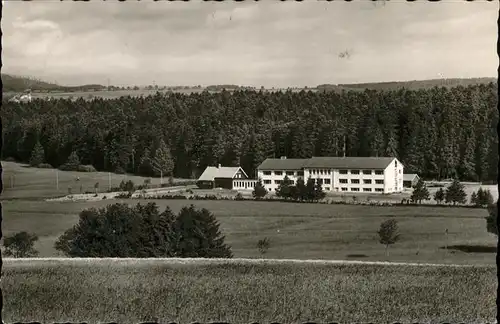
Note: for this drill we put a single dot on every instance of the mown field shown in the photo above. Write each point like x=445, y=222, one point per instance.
x=23, y=182
x=301, y=231
x=131, y=291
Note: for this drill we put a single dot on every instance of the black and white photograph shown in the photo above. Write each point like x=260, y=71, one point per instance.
x=249, y=161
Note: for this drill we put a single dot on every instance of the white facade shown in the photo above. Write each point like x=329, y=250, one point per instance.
x=388, y=180
x=272, y=179
x=244, y=184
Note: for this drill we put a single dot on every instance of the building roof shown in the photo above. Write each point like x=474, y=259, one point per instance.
x=282, y=164
x=410, y=176
x=211, y=173
x=349, y=162
x=327, y=163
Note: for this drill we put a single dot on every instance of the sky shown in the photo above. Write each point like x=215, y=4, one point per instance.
x=269, y=43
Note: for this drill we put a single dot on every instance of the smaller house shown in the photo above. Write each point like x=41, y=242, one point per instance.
x=220, y=177
x=410, y=180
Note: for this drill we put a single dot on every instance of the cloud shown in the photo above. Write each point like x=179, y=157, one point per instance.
x=269, y=43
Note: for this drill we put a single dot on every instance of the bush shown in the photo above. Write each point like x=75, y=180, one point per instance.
x=239, y=196
x=20, y=245
x=142, y=231
x=68, y=167
x=119, y=170
x=10, y=159
x=44, y=166
x=263, y=245
x=119, y=231
x=86, y=168
x=124, y=195
x=491, y=220
x=127, y=186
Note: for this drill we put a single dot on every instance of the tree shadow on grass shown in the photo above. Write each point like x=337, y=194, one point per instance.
x=472, y=248
x=357, y=256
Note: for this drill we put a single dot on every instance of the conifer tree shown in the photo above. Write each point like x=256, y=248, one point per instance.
x=145, y=167
x=439, y=195
x=310, y=193
x=318, y=191
x=162, y=161
x=420, y=192
x=37, y=155
x=283, y=189
x=259, y=191
x=300, y=190
x=473, y=199
x=455, y=193
x=196, y=235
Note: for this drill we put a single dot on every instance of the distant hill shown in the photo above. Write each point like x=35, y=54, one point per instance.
x=12, y=83
x=410, y=85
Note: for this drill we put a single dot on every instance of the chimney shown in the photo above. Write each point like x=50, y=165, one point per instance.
x=218, y=167
x=283, y=157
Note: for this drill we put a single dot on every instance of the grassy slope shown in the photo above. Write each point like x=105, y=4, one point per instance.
x=23, y=182
x=239, y=292
x=306, y=231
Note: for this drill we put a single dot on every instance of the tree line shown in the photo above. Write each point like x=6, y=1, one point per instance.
x=438, y=133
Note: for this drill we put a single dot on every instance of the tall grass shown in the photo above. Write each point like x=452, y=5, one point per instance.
x=238, y=291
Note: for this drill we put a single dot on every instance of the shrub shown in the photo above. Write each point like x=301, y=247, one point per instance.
x=239, y=196
x=263, y=245
x=86, y=168
x=119, y=231
x=44, y=166
x=127, y=186
x=124, y=195
x=491, y=219
x=119, y=170
x=20, y=245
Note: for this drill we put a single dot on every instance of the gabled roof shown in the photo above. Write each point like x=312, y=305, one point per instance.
x=410, y=176
x=211, y=173
x=349, y=162
x=282, y=164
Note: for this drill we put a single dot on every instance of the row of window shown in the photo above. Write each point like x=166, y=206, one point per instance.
x=364, y=189
x=314, y=171
x=322, y=172
x=244, y=183
x=377, y=172
x=288, y=173
x=365, y=181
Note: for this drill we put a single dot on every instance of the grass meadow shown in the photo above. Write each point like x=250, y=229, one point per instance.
x=23, y=182
x=239, y=291
x=296, y=231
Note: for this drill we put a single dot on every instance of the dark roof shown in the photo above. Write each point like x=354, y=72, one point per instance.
x=282, y=164
x=410, y=176
x=327, y=162
x=349, y=162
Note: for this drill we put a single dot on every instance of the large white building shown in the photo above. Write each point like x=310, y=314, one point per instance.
x=338, y=174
